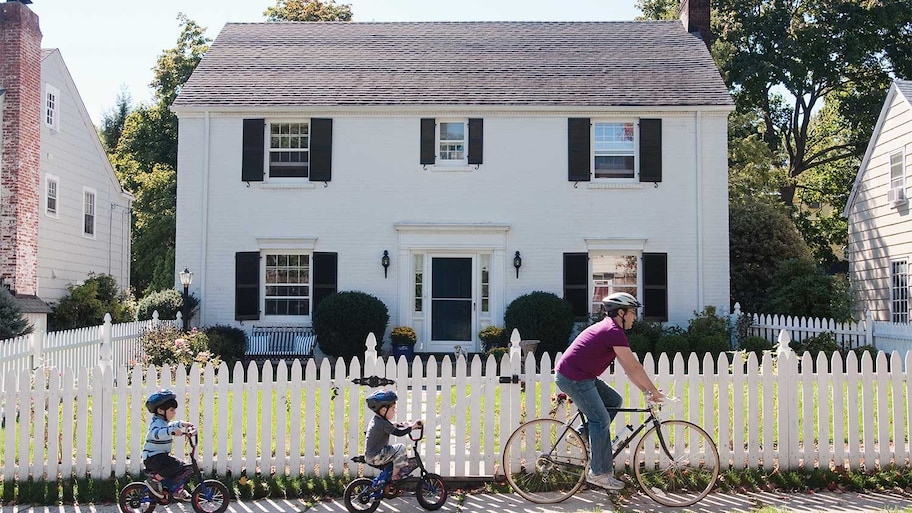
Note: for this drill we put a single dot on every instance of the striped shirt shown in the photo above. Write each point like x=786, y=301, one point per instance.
x=159, y=436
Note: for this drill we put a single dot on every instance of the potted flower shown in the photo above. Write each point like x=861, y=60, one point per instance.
x=403, y=339
x=492, y=337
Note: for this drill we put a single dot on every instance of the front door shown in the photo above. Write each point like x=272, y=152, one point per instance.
x=451, y=303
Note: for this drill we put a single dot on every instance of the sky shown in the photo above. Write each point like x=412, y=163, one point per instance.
x=107, y=47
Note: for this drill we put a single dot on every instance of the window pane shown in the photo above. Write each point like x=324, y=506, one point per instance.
x=612, y=273
x=896, y=171
x=614, y=150
x=899, y=291
x=419, y=282
x=288, y=287
x=452, y=131
x=288, y=150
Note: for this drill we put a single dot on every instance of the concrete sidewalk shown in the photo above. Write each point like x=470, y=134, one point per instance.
x=584, y=502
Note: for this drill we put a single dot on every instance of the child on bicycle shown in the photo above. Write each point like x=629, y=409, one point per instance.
x=577, y=374
x=156, y=453
x=377, y=450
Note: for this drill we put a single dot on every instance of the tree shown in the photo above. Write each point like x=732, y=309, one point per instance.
x=799, y=288
x=86, y=304
x=112, y=121
x=781, y=59
x=658, y=9
x=12, y=322
x=761, y=236
x=308, y=10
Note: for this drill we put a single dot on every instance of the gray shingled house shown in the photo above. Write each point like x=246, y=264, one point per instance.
x=448, y=168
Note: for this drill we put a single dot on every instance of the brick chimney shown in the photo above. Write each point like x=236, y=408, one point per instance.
x=695, y=17
x=20, y=182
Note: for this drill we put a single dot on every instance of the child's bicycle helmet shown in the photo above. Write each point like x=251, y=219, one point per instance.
x=381, y=398
x=161, y=399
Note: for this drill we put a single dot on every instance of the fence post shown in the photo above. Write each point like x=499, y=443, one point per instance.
x=105, y=352
x=179, y=321
x=869, y=329
x=370, y=355
x=155, y=318
x=733, y=318
x=787, y=385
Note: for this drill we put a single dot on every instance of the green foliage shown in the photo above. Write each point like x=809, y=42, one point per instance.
x=308, y=10
x=154, y=215
x=112, y=121
x=86, y=304
x=12, y=322
x=643, y=336
x=168, y=345
x=541, y=316
x=761, y=236
x=167, y=302
x=799, y=288
x=226, y=343
x=403, y=336
x=493, y=336
x=343, y=320
x=756, y=345
x=672, y=344
x=658, y=9
x=824, y=342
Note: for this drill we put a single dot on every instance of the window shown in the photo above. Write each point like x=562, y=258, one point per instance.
x=51, y=186
x=289, y=150
x=419, y=282
x=897, y=177
x=287, y=284
x=451, y=142
x=614, y=150
x=612, y=273
x=52, y=107
x=899, y=291
x=88, y=212
x=485, y=283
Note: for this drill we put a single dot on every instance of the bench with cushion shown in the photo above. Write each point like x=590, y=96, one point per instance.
x=281, y=341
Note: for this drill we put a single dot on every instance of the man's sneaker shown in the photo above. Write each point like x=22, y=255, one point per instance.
x=583, y=430
x=604, y=481
x=184, y=495
x=155, y=487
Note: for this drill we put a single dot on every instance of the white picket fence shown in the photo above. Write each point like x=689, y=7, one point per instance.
x=780, y=411
x=885, y=336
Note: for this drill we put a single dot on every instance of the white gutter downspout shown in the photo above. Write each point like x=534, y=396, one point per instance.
x=698, y=168
x=204, y=231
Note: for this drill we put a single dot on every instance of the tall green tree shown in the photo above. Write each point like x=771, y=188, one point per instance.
x=146, y=160
x=782, y=58
x=112, y=121
x=308, y=10
x=658, y=9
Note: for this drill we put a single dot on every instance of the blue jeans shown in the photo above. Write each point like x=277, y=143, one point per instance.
x=599, y=403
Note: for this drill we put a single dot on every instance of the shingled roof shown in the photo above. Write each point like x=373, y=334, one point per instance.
x=642, y=63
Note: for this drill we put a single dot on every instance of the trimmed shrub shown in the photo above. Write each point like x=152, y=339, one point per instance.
x=86, y=304
x=542, y=316
x=641, y=345
x=493, y=336
x=167, y=302
x=343, y=320
x=12, y=322
x=756, y=345
x=226, y=342
x=799, y=288
x=673, y=343
x=643, y=337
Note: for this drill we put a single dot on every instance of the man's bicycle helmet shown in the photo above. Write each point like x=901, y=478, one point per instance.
x=381, y=398
x=620, y=300
x=161, y=399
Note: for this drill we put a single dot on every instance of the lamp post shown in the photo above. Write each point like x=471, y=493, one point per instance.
x=186, y=279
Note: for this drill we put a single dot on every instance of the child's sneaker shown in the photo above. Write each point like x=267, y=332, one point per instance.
x=155, y=487
x=182, y=495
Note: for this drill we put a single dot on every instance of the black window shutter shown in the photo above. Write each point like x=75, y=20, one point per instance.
x=476, y=140
x=325, y=277
x=253, y=150
x=428, y=137
x=578, y=148
x=655, y=287
x=247, y=285
x=321, y=137
x=576, y=284
x=650, y=150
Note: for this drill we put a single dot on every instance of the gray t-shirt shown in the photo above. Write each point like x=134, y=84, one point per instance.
x=378, y=434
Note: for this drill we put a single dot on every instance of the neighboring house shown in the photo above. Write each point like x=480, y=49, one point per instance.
x=448, y=168
x=64, y=213
x=880, y=225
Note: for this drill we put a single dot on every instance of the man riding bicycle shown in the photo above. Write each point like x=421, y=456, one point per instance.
x=577, y=375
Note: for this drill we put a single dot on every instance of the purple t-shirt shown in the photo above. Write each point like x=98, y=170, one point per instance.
x=592, y=351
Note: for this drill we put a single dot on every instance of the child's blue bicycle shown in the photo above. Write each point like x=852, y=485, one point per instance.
x=209, y=496
x=363, y=495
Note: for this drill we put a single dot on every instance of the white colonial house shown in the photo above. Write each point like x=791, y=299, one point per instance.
x=880, y=224
x=448, y=168
x=63, y=212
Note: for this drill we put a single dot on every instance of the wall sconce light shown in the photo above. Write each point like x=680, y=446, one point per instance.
x=385, y=262
x=517, y=263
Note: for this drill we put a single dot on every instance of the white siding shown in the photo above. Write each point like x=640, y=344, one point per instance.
x=73, y=153
x=878, y=231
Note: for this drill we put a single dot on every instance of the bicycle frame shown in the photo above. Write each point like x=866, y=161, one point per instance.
x=652, y=419
x=386, y=471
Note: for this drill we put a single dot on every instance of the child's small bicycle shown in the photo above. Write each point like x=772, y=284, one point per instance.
x=209, y=496
x=363, y=495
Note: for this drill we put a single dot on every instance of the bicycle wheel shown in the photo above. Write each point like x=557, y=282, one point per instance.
x=431, y=492
x=676, y=465
x=136, y=498
x=211, y=496
x=545, y=461
x=358, y=497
